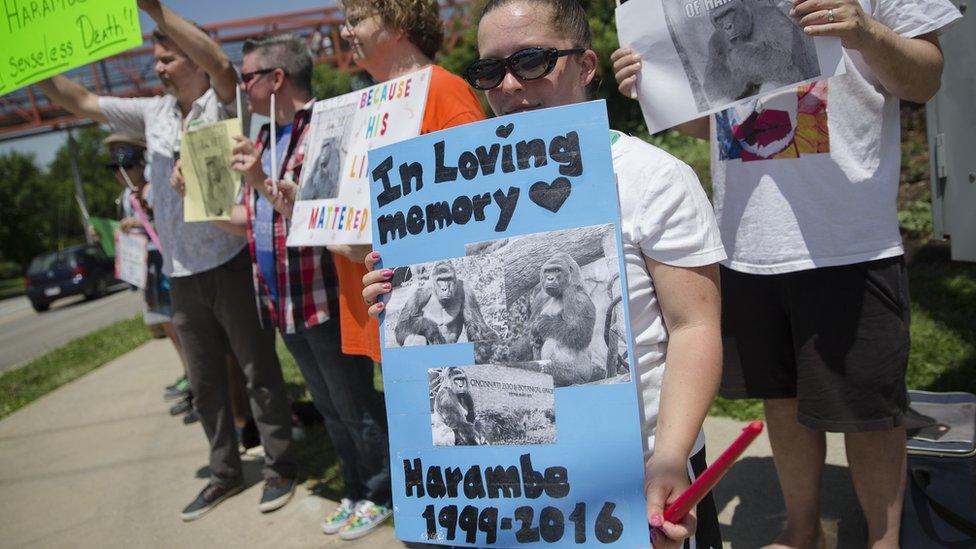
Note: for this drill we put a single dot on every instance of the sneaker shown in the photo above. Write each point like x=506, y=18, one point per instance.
x=255, y=452
x=179, y=380
x=190, y=417
x=277, y=492
x=207, y=499
x=366, y=516
x=338, y=518
x=180, y=389
x=181, y=407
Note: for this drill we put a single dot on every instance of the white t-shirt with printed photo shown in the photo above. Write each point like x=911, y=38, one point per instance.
x=809, y=177
x=664, y=215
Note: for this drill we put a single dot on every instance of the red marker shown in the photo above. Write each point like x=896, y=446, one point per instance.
x=708, y=479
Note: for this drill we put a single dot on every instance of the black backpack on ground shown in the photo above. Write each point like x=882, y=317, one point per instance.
x=940, y=492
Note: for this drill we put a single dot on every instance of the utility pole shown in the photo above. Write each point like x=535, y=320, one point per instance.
x=79, y=190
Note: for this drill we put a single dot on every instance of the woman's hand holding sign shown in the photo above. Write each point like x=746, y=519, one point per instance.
x=626, y=66
x=664, y=483
x=844, y=19
x=376, y=283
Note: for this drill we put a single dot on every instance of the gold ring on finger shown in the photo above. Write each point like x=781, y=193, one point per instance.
x=830, y=16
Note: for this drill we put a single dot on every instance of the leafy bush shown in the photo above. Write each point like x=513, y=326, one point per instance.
x=10, y=269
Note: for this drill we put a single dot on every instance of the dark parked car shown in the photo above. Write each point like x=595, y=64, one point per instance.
x=72, y=271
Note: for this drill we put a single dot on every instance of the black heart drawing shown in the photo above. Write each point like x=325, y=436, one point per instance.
x=551, y=196
x=504, y=131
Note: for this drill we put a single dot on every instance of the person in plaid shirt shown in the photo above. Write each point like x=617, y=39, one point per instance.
x=296, y=286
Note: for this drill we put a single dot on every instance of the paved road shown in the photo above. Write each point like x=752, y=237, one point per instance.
x=25, y=334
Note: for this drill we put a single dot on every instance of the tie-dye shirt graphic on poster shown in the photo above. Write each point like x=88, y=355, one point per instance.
x=784, y=125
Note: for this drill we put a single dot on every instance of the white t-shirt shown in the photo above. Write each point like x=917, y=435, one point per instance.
x=809, y=178
x=665, y=215
x=188, y=248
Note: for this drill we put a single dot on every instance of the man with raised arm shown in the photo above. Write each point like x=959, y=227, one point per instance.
x=213, y=297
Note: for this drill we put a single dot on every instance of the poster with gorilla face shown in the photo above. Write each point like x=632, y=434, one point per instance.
x=333, y=197
x=702, y=56
x=211, y=186
x=507, y=358
x=491, y=405
x=327, y=150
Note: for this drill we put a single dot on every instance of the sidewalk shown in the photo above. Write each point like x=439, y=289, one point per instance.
x=100, y=463
x=749, y=503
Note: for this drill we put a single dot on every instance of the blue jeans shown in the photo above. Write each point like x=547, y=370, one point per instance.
x=354, y=412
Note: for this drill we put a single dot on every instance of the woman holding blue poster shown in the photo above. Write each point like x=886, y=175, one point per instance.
x=536, y=54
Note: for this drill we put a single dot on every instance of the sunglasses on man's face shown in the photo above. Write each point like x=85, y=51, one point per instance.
x=526, y=64
x=248, y=76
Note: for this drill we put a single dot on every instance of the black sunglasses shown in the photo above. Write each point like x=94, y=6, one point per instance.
x=527, y=64
x=248, y=76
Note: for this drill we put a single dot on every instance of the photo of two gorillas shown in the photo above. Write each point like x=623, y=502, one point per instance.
x=545, y=302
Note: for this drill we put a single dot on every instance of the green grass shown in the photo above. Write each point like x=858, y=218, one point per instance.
x=64, y=364
x=11, y=287
x=943, y=356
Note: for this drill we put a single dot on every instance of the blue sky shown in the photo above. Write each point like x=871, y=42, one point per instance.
x=204, y=12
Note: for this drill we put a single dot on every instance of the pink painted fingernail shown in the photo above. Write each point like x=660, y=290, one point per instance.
x=387, y=286
x=657, y=520
x=379, y=306
x=374, y=255
x=387, y=273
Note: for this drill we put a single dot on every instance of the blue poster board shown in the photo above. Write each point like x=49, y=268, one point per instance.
x=507, y=364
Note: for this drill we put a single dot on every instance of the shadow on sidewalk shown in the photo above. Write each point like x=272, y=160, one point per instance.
x=761, y=515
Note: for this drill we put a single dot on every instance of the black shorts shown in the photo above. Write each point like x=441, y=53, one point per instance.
x=834, y=338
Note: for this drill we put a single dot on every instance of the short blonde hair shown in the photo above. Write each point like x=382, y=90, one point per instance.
x=420, y=20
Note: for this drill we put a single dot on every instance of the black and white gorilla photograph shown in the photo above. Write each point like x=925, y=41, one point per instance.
x=563, y=300
x=218, y=187
x=457, y=300
x=329, y=142
x=491, y=404
x=736, y=49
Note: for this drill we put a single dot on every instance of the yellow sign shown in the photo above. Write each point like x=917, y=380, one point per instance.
x=211, y=186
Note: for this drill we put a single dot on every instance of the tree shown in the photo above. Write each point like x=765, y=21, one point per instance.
x=27, y=209
x=328, y=81
x=101, y=188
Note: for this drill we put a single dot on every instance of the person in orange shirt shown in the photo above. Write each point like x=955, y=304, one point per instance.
x=391, y=38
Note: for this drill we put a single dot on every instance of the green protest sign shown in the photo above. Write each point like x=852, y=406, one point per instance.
x=42, y=38
x=105, y=229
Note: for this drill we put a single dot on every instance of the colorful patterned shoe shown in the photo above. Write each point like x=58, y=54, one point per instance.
x=338, y=518
x=366, y=516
